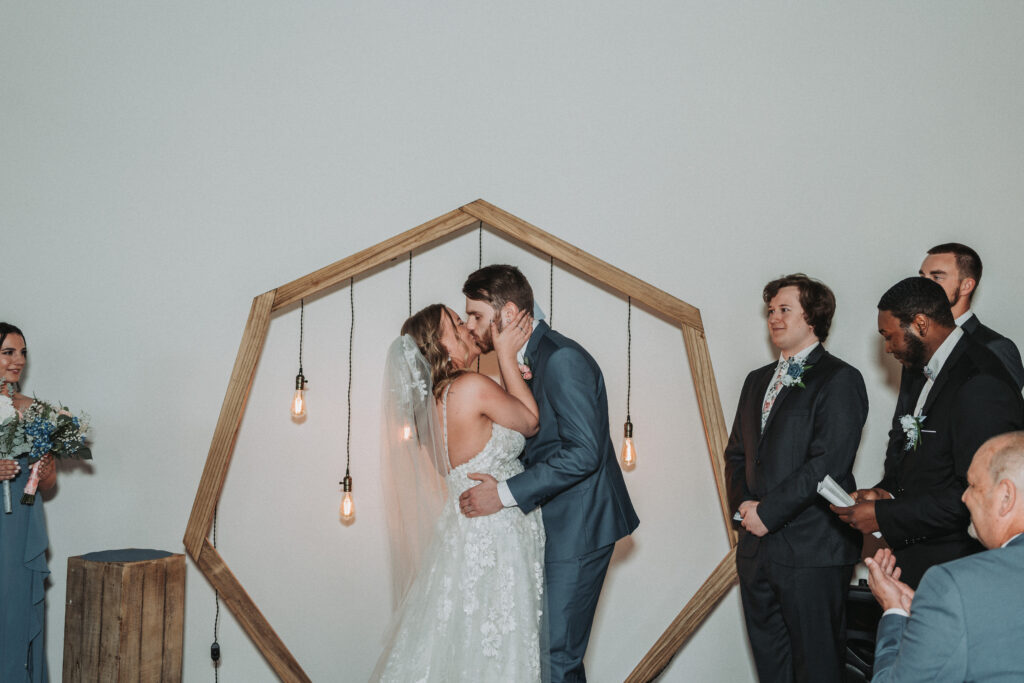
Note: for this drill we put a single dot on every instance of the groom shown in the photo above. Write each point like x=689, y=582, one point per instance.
x=570, y=465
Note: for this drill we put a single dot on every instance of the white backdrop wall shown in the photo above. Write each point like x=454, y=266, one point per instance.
x=164, y=163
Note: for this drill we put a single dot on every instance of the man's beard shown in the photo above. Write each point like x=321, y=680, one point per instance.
x=913, y=355
x=484, y=341
x=972, y=532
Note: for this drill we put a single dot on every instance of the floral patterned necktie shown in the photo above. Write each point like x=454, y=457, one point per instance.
x=773, y=392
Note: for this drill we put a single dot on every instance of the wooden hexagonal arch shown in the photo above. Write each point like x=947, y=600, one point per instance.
x=216, y=570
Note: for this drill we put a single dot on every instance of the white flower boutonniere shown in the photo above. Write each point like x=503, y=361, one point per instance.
x=912, y=428
x=794, y=376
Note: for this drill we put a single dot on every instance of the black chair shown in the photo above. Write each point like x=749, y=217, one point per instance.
x=862, y=616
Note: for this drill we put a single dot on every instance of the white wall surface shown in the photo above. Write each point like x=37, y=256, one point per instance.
x=163, y=163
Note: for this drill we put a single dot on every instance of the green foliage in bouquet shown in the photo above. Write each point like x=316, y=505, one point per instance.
x=42, y=429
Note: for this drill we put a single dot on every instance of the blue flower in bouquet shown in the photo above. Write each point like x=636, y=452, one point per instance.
x=48, y=429
x=39, y=432
x=43, y=429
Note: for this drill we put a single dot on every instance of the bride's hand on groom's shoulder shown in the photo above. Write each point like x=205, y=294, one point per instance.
x=516, y=332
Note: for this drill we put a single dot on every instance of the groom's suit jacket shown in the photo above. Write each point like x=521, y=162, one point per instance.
x=811, y=431
x=965, y=623
x=570, y=463
x=972, y=399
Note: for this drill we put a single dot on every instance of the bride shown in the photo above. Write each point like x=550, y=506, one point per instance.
x=469, y=590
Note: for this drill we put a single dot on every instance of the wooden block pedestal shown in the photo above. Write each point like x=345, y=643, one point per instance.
x=124, y=617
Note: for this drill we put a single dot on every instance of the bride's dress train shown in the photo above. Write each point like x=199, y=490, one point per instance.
x=474, y=612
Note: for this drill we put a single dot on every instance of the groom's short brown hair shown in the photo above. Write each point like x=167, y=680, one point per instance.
x=499, y=284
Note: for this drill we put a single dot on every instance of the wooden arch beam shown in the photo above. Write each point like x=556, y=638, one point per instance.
x=211, y=484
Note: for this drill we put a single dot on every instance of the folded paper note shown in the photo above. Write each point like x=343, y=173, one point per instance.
x=834, y=493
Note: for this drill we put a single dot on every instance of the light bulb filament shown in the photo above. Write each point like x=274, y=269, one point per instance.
x=347, y=512
x=628, y=449
x=299, y=398
x=628, y=454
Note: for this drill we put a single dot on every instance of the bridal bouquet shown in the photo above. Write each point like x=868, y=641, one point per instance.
x=42, y=429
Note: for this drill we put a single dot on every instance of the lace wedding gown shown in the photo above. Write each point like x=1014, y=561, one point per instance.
x=474, y=612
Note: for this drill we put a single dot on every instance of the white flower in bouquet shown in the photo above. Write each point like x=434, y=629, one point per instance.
x=10, y=442
x=7, y=410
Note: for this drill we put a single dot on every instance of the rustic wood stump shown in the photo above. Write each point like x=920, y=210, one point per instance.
x=124, y=617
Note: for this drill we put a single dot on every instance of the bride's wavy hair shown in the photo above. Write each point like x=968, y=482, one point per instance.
x=425, y=329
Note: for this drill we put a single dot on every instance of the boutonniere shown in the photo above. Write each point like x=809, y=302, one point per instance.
x=794, y=376
x=524, y=369
x=912, y=428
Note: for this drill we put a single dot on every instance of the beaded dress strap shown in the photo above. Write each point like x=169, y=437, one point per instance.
x=444, y=417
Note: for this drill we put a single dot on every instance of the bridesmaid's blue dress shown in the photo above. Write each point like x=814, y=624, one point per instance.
x=23, y=570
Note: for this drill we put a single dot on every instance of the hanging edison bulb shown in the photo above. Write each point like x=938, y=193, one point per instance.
x=406, y=432
x=298, y=407
x=299, y=399
x=628, y=453
x=628, y=449
x=347, y=512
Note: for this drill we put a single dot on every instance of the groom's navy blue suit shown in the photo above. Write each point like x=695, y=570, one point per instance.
x=571, y=471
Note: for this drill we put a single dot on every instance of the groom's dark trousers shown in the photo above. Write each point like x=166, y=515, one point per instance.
x=571, y=472
x=793, y=580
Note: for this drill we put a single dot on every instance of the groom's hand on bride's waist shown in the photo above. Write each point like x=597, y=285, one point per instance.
x=481, y=499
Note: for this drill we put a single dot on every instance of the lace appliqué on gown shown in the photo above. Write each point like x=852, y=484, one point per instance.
x=474, y=611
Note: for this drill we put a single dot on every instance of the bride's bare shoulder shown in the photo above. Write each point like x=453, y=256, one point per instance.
x=471, y=388
x=472, y=382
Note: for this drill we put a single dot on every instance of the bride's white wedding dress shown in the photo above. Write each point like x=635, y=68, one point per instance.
x=474, y=611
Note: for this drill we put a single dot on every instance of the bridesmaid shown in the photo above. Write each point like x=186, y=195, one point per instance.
x=23, y=539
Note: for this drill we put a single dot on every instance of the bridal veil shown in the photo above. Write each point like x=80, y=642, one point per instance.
x=413, y=461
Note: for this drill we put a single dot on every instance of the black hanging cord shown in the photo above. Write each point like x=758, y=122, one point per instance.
x=215, y=646
x=302, y=324
x=410, y=284
x=629, y=348
x=551, y=293
x=351, y=336
x=479, y=264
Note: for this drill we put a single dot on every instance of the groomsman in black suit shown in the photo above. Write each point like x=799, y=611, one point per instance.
x=966, y=398
x=798, y=420
x=957, y=268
